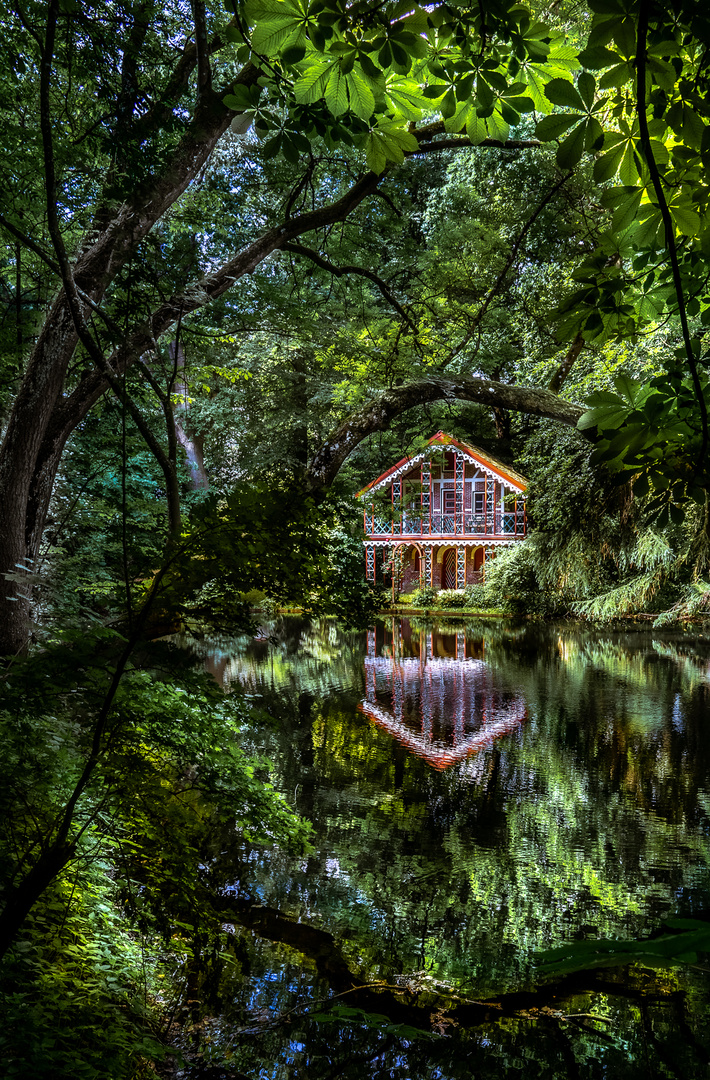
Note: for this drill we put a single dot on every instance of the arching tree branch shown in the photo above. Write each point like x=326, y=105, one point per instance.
x=378, y=414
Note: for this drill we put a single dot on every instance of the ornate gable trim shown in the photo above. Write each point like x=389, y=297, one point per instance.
x=510, y=479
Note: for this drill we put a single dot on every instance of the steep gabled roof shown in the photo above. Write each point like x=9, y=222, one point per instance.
x=438, y=754
x=512, y=479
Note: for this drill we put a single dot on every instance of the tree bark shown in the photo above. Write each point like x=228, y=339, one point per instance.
x=21, y=899
x=378, y=415
x=39, y=422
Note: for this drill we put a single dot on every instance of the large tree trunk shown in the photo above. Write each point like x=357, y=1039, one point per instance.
x=42, y=419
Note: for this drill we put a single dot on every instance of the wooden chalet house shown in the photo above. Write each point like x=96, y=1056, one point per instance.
x=438, y=517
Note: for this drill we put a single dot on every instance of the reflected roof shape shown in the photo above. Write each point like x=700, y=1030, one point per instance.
x=435, y=753
x=420, y=694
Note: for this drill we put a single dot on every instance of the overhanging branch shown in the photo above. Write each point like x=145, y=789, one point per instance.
x=378, y=415
x=343, y=271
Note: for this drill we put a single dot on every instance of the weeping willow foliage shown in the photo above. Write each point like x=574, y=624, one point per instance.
x=592, y=552
x=535, y=576
x=694, y=602
x=646, y=568
x=594, y=583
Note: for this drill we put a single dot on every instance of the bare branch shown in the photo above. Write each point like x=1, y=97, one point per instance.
x=28, y=242
x=385, y=197
x=297, y=189
x=342, y=271
x=555, y=384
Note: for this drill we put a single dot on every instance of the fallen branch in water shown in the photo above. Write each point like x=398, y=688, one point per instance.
x=434, y=1008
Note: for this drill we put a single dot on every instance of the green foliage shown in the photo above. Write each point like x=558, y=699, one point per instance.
x=170, y=790
x=270, y=538
x=649, y=431
x=645, y=568
x=473, y=596
x=692, y=604
x=451, y=598
x=362, y=81
x=424, y=597
x=81, y=568
x=79, y=992
x=511, y=580
x=476, y=596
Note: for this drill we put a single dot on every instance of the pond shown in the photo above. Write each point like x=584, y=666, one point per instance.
x=480, y=791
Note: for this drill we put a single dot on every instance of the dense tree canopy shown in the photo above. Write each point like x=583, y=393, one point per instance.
x=249, y=256
x=127, y=220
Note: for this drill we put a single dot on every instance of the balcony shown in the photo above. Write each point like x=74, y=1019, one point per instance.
x=500, y=522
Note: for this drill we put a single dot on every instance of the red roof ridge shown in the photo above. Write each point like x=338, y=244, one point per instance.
x=514, y=478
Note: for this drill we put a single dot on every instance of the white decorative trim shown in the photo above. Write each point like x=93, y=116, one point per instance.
x=370, y=562
x=444, y=541
x=451, y=449
x=460, y=566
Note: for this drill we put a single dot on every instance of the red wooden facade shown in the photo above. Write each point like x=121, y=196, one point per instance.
x=435, y=695
x=438, y=517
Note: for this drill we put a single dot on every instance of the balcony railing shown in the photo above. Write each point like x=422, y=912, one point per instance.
x=500, y=523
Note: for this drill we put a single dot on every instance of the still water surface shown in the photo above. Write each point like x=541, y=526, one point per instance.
x=479, y=792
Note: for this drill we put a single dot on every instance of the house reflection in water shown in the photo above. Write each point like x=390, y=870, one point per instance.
x=435, y=694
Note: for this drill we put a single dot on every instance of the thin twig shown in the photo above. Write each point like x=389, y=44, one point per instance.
x=341, y=271
x=498, y=283
x=647, y=150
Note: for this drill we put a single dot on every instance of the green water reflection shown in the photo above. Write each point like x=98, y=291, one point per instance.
x=479, y=792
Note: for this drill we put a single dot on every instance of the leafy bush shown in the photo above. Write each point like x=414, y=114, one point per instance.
x=424, y=597
x=476, y=596
x=645, y=569
x=511, y=580
x=451, y=598
x=80, y=988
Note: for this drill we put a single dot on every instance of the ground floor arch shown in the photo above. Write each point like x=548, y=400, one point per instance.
x=409, y=565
